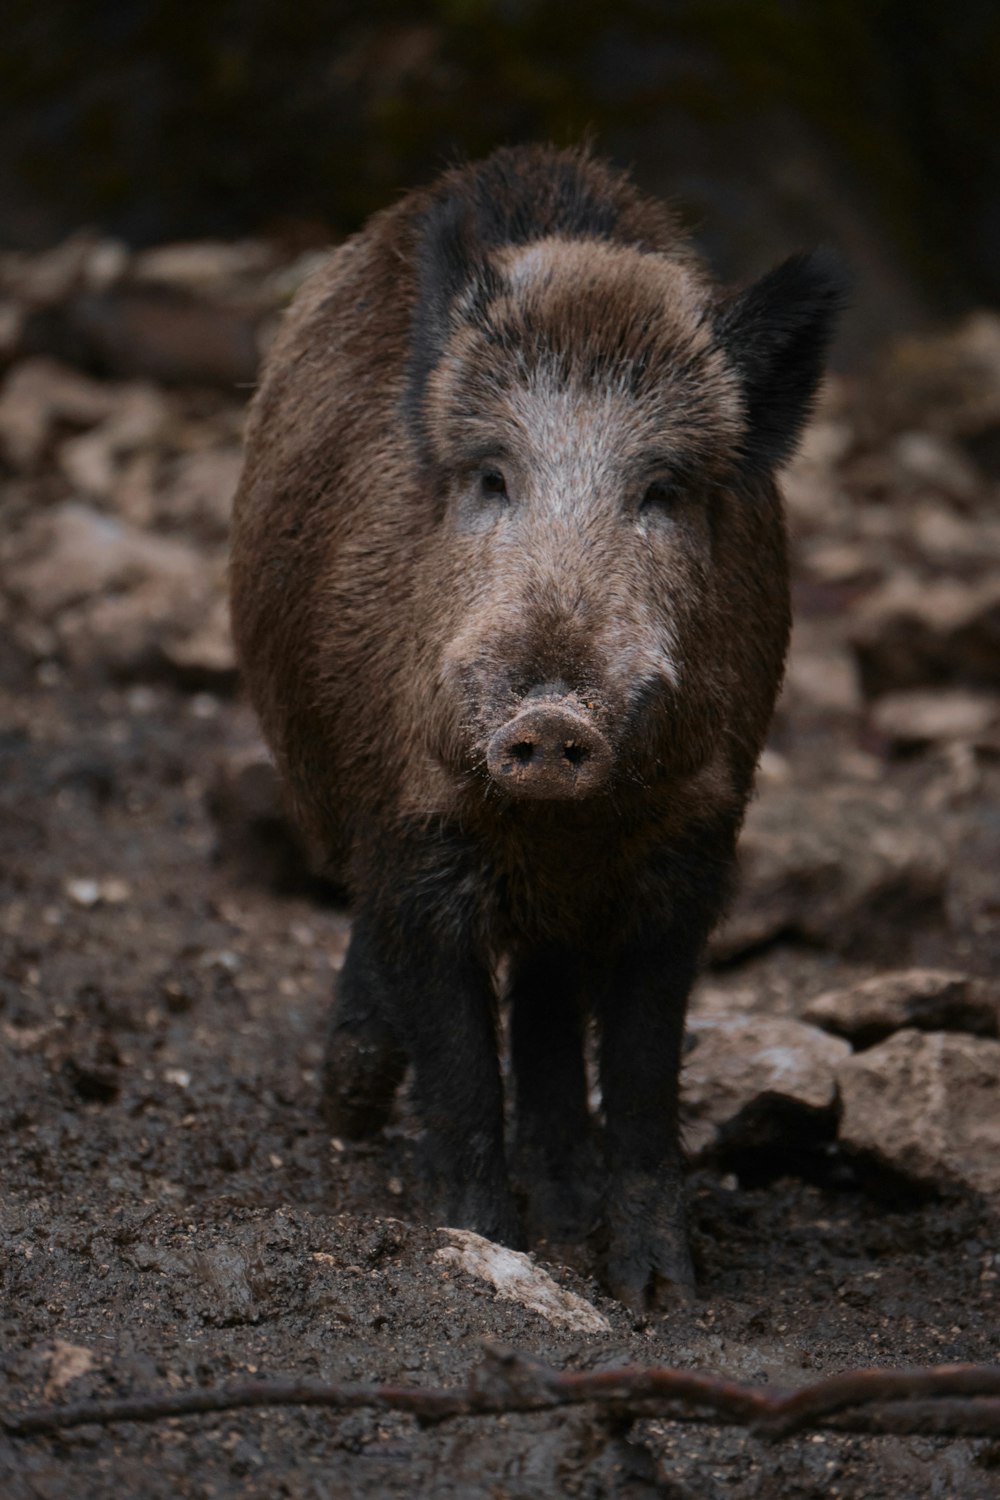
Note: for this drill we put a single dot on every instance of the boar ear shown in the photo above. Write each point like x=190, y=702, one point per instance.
x=450, y=262
x=777, y=333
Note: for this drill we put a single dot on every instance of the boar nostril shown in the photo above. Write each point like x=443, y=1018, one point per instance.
x=548, y=751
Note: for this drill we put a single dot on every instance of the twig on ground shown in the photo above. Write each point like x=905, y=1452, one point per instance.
x=949, y=1400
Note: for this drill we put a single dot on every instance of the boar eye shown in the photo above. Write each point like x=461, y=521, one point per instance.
x=660, y=495
x=492, y=482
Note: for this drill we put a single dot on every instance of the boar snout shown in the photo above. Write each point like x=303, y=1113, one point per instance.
x=550, y=752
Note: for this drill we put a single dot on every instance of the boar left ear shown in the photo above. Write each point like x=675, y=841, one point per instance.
x=777, y=333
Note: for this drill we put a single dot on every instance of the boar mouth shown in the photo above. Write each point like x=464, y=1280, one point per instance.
x=549, y=752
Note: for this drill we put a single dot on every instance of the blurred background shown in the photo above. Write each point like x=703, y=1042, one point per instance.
x=773, y=123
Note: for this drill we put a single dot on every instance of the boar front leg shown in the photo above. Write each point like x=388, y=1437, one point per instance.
x=429, y=996
x=554, y=1157
x=642, y=1027
x=364, y=1062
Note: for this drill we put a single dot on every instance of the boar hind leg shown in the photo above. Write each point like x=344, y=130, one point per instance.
x=642, y=1025
x=364, y=1062
x=437, y=997
x=555, y=1160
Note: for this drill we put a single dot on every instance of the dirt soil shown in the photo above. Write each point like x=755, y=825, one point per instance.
x=174, y=1212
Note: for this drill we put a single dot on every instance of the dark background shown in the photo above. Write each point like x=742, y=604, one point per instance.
x=773, y=123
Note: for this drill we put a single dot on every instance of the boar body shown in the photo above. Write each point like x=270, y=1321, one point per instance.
x=510, y=594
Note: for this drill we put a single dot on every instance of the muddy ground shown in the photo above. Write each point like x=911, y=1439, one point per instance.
x=174, y=1212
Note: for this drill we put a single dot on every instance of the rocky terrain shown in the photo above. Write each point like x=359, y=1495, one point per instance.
x=172, y=1212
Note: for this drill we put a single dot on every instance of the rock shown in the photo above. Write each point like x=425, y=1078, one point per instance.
x=151, y=332
x=36, y=397
x=203, y=657
x=208, y=266
x=87, y=892
x=928, y=999
x=746, y=1076
x=926, y=1105
x=86, y=553
x=229, y=1282
x=198, y=491
x=517, y=1278
x=822, y=675
x=839, y=562
x=926, y=461
x=93, y=461
x=83, y=892
x=46, y=278
x=951, y=541
x=911, y=633
x=923, y=716
x=809, y=483
x=67, y=1362
x=126, y=600
x=841, y=868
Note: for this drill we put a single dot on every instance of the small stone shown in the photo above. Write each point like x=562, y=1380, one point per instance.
x=926, y=1105
x=37, y=395
x=84, y=893
x=924, y=716
x=743, y=1069
x=204, y=706
x=932, y=461
x=67, y=1362
x=824, y=681
x=205, y=655
x=517, y=1278
x=93, y=461
x=927, y=999
x=115, y=892
x=838, y=562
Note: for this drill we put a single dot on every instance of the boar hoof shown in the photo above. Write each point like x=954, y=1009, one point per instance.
x=362, y=1070
x=648, y=1262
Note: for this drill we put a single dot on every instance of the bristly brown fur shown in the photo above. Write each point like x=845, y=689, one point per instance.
x=511, y=442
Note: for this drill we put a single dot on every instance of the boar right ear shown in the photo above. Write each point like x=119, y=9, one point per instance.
x=776, y=333
x=450, y=261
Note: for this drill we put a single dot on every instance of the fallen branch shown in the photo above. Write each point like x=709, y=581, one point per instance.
x=950, y=1400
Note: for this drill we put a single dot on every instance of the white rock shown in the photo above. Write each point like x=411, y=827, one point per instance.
x=741, y=1066
x=927, y=1104
x=517, y=1278
x=83, y=892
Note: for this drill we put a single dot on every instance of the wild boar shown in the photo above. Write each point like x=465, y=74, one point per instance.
x=509, y=590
